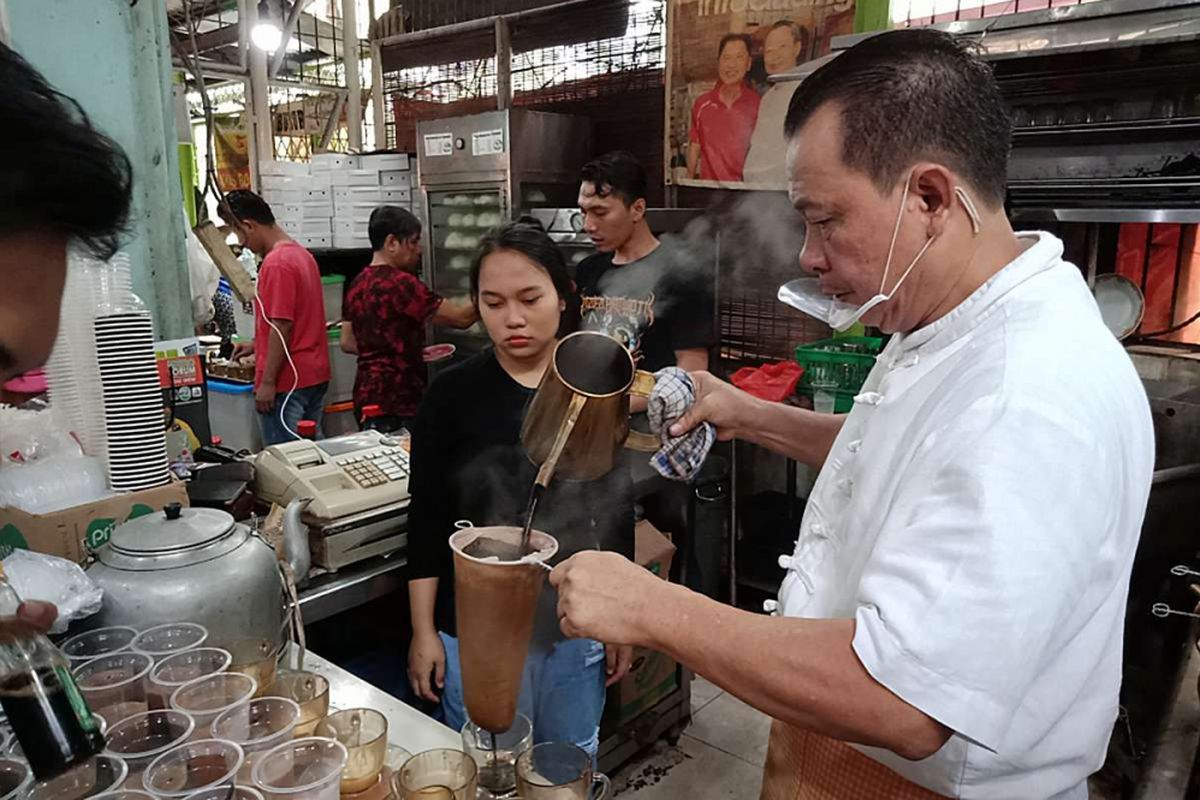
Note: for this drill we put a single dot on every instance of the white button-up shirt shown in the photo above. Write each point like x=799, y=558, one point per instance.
x=977, y=517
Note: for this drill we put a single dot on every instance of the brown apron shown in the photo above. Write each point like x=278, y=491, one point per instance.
x=806, y=766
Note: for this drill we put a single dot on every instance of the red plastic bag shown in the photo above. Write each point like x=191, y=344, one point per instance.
x=775, y=382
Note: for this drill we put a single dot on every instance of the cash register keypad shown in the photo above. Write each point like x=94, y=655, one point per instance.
x=377, y=469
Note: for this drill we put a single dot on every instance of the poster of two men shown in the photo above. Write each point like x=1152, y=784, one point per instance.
x=726, y=116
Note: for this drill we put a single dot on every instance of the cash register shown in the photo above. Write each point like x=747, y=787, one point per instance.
x=358, y=483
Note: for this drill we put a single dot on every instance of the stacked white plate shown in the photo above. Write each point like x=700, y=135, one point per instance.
x=133, y=404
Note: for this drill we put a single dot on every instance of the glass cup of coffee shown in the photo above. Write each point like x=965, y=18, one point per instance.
x=175, y=670
x=139, y=739
x=497, y=754
x=559, y=771
x=192, y=766
x=114, y=686
x=310, y=691
x=205, y=698
x=364, y=733
x=437, y=775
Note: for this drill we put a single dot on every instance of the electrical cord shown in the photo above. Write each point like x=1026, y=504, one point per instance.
x=288, y=355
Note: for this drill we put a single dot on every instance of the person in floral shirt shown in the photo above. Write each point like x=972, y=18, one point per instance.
x=384, y=315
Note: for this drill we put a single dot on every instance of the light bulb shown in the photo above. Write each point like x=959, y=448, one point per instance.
x=266, y=36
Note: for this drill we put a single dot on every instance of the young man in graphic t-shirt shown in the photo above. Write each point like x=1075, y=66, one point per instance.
x=653, y=296
x=648, y=294
x=289, y=319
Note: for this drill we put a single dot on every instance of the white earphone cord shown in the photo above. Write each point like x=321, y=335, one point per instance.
x=262, y=307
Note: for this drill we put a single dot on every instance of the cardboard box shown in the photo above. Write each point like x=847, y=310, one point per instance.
x=283, y=169
x=653, y=676
x=354, y=177
x=396, y=179
x=331, y=161
x=73, y=532
x=653, y=549
x=384, y=161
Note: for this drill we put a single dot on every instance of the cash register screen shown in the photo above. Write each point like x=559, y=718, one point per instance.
x=350, y=443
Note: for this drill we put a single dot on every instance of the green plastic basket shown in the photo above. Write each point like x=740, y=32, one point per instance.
x=845, y=361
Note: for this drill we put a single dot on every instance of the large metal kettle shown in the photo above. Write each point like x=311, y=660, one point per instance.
x=198, y=565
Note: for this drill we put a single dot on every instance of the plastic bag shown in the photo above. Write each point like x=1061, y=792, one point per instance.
x=27, y=436
x=37, y=576
x=775, y=382
x=48, y=485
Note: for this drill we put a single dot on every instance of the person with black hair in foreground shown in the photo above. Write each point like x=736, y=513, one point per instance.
x=384, y=315
x=291, y=368
x=62, y=183
x=950, y=621
x=468, y=463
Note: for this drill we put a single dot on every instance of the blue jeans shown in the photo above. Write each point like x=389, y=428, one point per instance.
x=306, y=403
x=562, y=692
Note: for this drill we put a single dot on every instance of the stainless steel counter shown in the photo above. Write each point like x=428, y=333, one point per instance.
x=407, y=727
x=352, y=586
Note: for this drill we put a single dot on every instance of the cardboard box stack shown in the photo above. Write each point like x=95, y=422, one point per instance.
x=359, y=188
x=300, y=200
x=329, y=203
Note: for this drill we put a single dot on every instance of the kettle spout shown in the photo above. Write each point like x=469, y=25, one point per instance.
x=295, y=539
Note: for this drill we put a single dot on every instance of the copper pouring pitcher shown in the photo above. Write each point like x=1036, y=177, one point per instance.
x=579, y=417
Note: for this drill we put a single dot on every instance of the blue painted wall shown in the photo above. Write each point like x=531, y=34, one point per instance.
x=114, y=59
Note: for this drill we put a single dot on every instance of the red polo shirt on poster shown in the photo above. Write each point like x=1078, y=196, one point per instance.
x=723, y=132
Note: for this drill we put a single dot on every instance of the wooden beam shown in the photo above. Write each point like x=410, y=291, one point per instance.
x=213, y=242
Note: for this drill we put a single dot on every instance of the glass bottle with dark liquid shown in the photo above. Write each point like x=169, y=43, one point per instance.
x=47, y=713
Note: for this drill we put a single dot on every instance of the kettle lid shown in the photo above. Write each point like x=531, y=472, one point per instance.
x=175, y=530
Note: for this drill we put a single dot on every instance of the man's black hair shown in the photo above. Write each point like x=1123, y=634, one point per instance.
x=393, y=220
x=799, y=34
x=744, y=38
x=244, y=204
x=59, y=173
x=617, y=173
x=909, y=95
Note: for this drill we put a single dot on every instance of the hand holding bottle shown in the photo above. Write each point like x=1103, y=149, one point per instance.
x=37, y=613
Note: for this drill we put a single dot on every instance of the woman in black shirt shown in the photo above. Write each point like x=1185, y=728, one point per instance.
x=468, y=463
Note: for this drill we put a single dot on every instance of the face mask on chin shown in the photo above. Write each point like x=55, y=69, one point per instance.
x=804, y=294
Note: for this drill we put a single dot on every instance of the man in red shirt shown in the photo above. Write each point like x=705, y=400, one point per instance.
x=384, y=316
x=291, y=372
x=723, y=118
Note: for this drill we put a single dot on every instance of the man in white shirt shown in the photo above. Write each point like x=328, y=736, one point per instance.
x=782, y=49
x=950, y=623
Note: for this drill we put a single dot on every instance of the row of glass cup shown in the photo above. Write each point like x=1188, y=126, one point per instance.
x=503, y=765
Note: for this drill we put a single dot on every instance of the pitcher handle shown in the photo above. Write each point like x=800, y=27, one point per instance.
x=642, y=442
x=643, y=383
x=601, y=786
